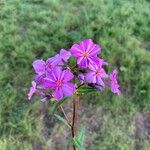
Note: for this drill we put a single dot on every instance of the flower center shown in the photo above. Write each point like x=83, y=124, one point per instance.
x=86, y=54
x=97, y=73
x=59, y=83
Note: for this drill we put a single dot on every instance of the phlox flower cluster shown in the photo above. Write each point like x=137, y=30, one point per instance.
x=55, y=78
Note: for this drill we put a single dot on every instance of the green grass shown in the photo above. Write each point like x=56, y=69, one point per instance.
x=31, y=29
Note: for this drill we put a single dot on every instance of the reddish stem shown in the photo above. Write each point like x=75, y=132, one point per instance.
x=74, y=120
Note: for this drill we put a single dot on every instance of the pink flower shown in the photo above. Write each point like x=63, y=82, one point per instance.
x=86, y=53
x=42, y=68
x=59, y=81
x=113, y=82
x=34, y=90
x=96, y=74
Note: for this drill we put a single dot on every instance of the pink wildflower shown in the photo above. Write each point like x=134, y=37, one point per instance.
x=96, y=74
x=60, y=81
x=86, y=53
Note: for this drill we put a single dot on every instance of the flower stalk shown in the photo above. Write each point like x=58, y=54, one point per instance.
x=74, y=117
x=65, y=115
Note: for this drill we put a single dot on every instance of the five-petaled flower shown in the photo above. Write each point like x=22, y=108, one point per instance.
x=96, y=74
x=86, y=53
x=59, y=81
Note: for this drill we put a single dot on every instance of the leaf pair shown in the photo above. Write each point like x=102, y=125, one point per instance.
x=78, y=141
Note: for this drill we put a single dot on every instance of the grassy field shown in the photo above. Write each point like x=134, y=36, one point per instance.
x=31, y=29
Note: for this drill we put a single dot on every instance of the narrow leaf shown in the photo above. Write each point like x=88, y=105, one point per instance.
x=81, y=136
x=77, y=143
x=62, y=119
x=79, y=140
x=57, y=104
x=86, y=89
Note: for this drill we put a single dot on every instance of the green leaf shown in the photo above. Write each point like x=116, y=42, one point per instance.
x=77, y=144
x=62, y=119
x=78, y=141
x=57, y=104
x=81, y=136
x=85, y=89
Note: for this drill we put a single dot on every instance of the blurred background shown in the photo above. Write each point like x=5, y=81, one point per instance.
x=31, y=29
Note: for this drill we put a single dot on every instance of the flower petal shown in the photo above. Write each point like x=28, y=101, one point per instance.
x=34, y=84
x=39, y=78
x=58, y=93
x=79, y=60
x=103, y=73
x=76, y=50
x=56, y=73
x=32, y=90
x=100, y=88
x=93, y=60
x=95, y=50
x=64, y=54
x=86, y=45
x=39, y=66
x=113, y=75
x=68, y=89
x=100, y=81
x=68, y=75
x=114, y=83
x=115, y=89
x=90, y=77
x=93, y=67
x=83, y=63
x=48, y=83
x=53, y=61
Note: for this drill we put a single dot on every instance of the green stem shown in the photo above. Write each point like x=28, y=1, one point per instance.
x=65, y=115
